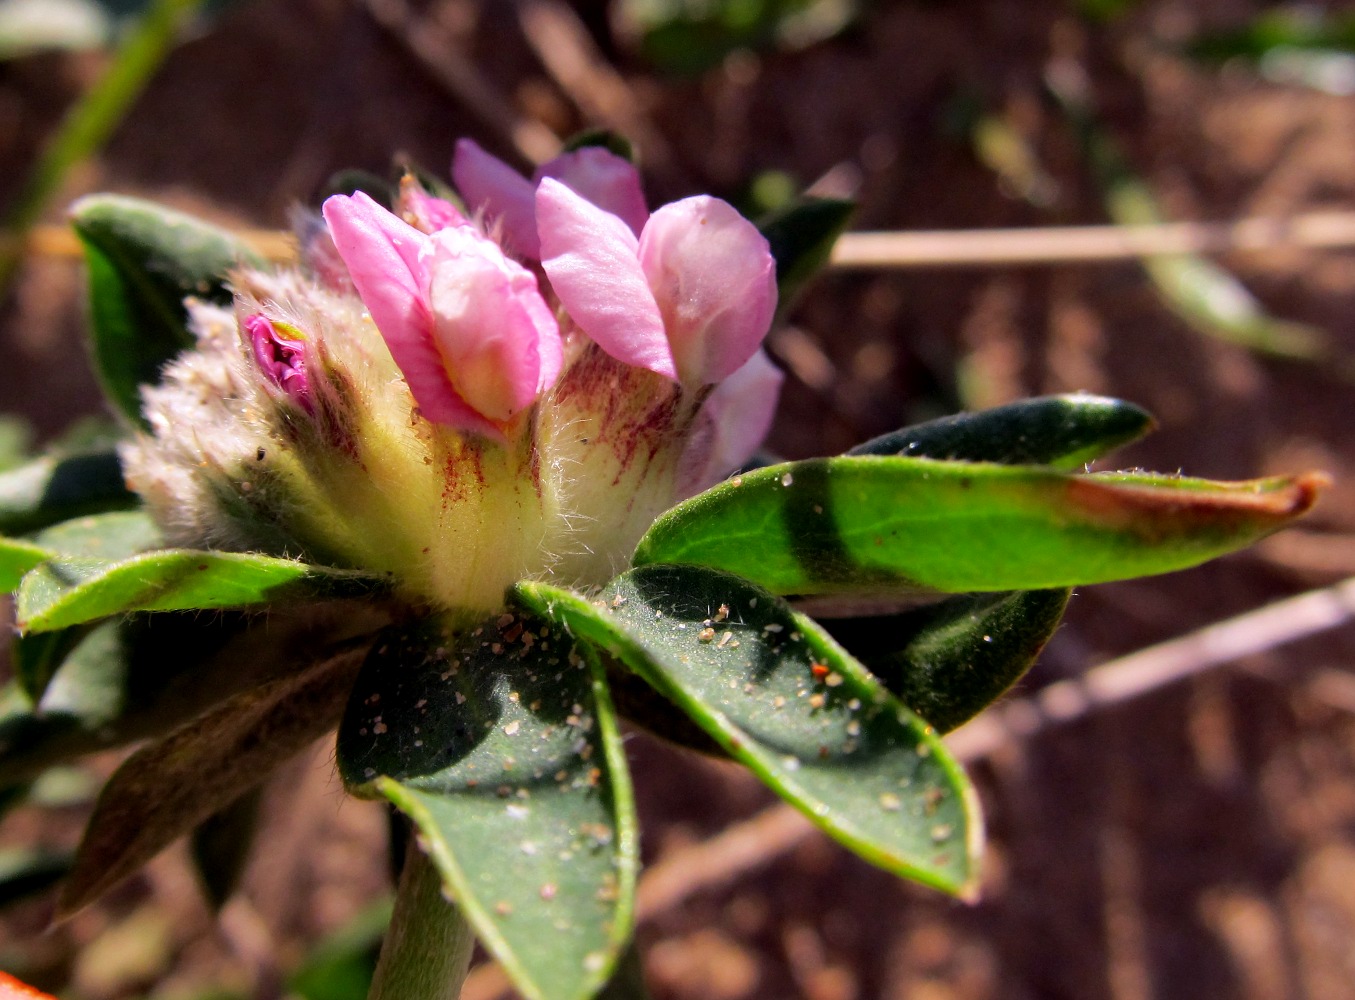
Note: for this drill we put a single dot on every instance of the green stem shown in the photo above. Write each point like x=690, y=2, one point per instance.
x=92, y=119
x=427, y=948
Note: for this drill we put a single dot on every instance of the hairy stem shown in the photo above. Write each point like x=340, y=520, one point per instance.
x=428, y=946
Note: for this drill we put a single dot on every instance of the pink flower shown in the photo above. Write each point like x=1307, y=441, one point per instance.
x=691, y=299
x=509, y=199
x=282, y=359
x=467, y=326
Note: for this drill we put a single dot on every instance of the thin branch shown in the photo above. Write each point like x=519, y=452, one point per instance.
x=1066, y=244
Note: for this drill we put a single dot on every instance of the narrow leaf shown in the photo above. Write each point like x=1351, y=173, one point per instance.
x=950, y=660
x=499, y=742
x=1063, y=431
x=880, y=525
x=801, y=236
x=52, y=489
x=167, y=788
x=780, y=696
x=35, y=658
x=221, y=844
x=142, y=675
x=144, y=259
x=26, y=872
x=71, y=590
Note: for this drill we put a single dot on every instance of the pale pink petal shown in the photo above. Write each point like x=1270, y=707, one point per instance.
x=714, y=278
x=504, y=196
x=732, y=424
x=386, y=260
x=590, y=257
x=425, y=212
x=607, y=180
x=489, y=322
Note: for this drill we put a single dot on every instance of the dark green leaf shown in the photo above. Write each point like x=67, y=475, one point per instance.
x=801, y=238
x=350, y=181
x=340, y=967
x=785, y=700
x=869, y=524
x=1063, y=431
x=143, y=675
x=26, y=872
x=35, y=658
x=144, y=259
x=221, y=844
x=43, y=492
x=611, y=141
x=167, y=788
x=71, y=590
x=499, y=742
x=108, y=537
x=949, y=661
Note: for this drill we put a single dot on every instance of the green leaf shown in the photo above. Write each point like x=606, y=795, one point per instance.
x=780, y=696
x=70, y=590
x=340, y=967
x=144, y=259
x=167, y=788
x=499, y=742
x=869, y=524
x=801, y=238
x=17, y=557
x=1063, y=431
x=221, y=844
x=950, y=660
x=58, y=488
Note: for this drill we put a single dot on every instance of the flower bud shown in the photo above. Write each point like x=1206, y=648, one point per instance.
x=467, y=326
x=281, y=358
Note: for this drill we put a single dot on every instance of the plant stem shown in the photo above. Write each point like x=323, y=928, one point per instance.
x=427, y=948
x=92, y=119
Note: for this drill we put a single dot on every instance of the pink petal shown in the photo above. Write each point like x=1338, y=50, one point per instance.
x=590, y=257
x=490, y=324
x=385, y=258
x=504, y=196
x=734, y=422
x=607, y=180
x=714, y=278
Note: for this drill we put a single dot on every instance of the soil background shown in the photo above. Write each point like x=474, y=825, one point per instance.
x=1196, y=842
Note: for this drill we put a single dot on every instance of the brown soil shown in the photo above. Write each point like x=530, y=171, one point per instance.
x=1198, y=842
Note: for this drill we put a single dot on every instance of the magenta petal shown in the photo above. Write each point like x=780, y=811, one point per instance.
x=733, y=423
x=590, y=257
x=504, y=196
x=714, y=278
x=607, y=180
x=490, y=323
x=282, y=359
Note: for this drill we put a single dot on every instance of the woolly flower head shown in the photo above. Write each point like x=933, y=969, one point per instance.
x=462, y=401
